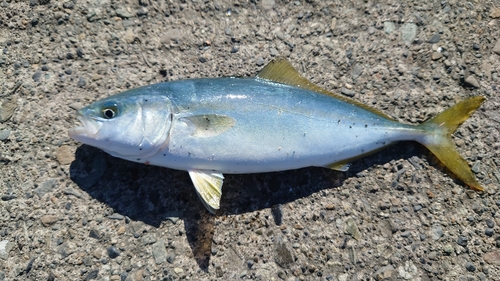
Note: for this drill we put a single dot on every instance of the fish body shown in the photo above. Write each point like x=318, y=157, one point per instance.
x=275, y=121
x=233, y=125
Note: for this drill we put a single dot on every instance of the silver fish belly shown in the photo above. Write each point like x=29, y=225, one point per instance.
x=275, y=121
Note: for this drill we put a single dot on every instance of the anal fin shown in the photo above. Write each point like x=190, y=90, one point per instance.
x=208, y=186
x=341, y=166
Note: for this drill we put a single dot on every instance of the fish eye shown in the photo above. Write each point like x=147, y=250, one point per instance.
x=109, y=111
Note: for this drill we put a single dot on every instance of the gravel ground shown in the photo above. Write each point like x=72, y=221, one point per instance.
x=72, y=212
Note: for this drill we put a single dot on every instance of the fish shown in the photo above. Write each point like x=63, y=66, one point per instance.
x=275, y=121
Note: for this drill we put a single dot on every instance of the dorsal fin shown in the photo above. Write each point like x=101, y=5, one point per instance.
x=281, y=71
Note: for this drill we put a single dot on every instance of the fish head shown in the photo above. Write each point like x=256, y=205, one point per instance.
x=127, y=126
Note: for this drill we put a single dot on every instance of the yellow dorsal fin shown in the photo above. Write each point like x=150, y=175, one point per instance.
x=281, y=71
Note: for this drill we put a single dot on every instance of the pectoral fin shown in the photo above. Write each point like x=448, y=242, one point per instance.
x=209, y=125
x=208, y=185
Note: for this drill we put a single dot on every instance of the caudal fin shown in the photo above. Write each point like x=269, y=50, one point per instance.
x=441, y=144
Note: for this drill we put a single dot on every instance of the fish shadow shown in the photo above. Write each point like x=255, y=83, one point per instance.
x=154, y=194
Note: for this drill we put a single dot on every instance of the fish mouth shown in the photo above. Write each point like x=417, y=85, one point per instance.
x=88, y=131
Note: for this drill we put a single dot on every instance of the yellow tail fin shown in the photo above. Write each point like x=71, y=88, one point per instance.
x=441, y=144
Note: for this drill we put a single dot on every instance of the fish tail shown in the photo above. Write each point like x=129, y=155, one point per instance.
x=441, y=144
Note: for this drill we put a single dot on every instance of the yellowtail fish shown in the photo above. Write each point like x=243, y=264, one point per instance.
x=275, y=121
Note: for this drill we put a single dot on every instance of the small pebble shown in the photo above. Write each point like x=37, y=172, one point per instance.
x=347, y=92
x=65, y=154
x=495, y=13
x=352, y=228
x=356, y=71
x=170, y=257
x=123, y=13
x=436, y=75
x=7, y=108
x=384, y=273
x=178, y=270
x=113, y=252
x=277, y=213
x=462, y=241
x=417, y=207
x=94, y=234
x=267, y=4
x=148, y=239
x=92, y=275
x=489, y=232
x=496, y=49
x=492, y=257
x=202, y=59
x=448, y=249
x=173, y=219
x=490, y=223
x=4, y=134
x=37, y=76
x=409, y=31
x=476, y=168
x=273, y=52
x=143, y=11
x=159, y=252
x=436, y=55
x=435, y=38
x=437, y=232
x=471, y=81
x=432, y=255
x=283, y=255
x=5, y=247
x=116, y=216
x=260, y=62
x=81, y=82
x=406, y=234
x=470, y=266
x=45, y=187
x=48, y=220
x=69, y=5
x=389, y=27
x=8, y=197
x=279, y=35
x=422, y=237
x=71, y=191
